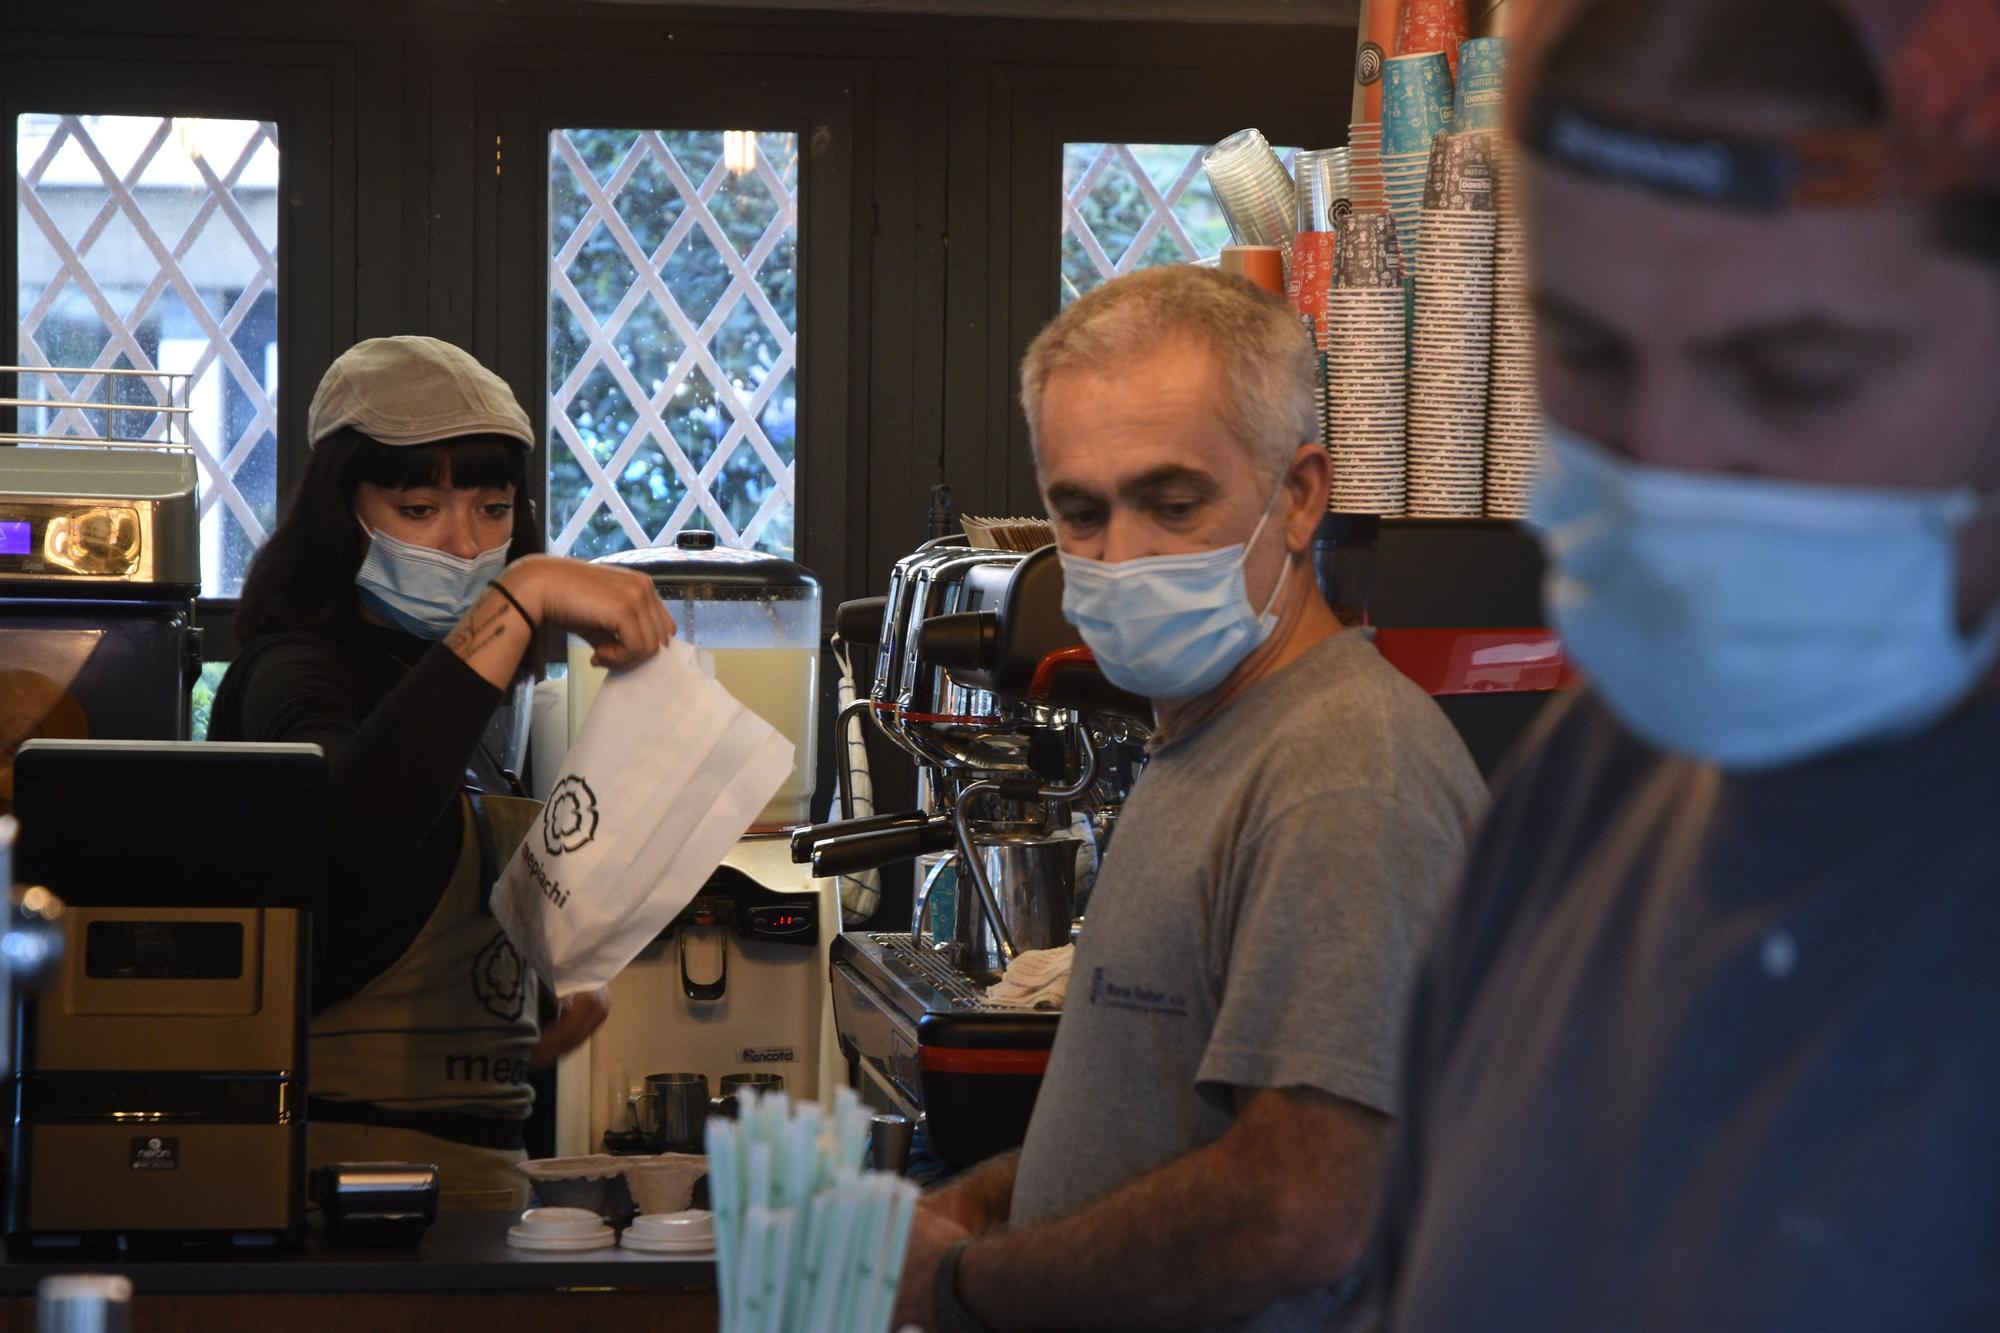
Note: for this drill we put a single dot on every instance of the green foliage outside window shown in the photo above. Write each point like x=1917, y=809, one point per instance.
x=699, y=413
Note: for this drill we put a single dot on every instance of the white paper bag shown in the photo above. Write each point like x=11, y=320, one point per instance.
x=668, y=773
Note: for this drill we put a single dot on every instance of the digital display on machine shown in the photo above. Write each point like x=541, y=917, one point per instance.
x=164, y=950
x=16, y=537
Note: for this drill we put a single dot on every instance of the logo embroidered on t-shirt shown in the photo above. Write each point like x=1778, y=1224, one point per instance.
x=1144, y=999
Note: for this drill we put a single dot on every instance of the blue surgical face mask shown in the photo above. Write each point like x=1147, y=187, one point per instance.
x=1755, y=622
x=1169, y=626
x=420, y=590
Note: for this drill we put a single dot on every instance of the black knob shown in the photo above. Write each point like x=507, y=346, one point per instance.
x=860, y=621
x=965, y=641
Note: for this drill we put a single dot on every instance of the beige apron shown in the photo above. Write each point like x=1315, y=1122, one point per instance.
x=446, y=1029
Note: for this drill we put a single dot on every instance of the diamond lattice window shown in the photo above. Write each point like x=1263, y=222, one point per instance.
x=673, y=337
x=1128, y=206
x=151, y=243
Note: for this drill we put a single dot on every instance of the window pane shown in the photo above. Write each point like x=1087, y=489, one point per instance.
x=673, y=337
x=1129, y=206
x=151, y=243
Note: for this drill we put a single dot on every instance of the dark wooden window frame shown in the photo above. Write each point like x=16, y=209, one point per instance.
x=1294, y=84
x=292, y=84
x=526, y=95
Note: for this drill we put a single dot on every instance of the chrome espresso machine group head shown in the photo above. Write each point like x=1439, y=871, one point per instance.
x=1023, y=753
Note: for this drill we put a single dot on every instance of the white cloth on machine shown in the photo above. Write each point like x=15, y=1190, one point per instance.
x=1037, y=979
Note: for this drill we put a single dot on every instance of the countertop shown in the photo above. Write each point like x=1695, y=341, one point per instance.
x=461, y=1252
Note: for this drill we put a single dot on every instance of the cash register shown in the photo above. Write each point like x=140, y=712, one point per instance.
x=159, y=1096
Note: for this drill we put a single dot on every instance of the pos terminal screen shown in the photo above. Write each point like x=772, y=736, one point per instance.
x=164, y=950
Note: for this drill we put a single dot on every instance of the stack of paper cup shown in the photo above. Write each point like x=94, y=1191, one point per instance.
x=1364, y=165
x=1479, y=99
x=1451, y=338
x=1322, y=195
x=1375, y=41
x=1365, y=368
x=1513, y=412
x=1416, y=108
x=1254, y=189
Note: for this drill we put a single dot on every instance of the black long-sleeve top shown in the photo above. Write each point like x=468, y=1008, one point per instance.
x=400, y=719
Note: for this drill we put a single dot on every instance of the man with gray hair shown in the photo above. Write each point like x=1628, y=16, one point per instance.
x=1206, y=1146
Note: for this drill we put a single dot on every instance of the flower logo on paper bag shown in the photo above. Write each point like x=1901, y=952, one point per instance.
x=569, y=819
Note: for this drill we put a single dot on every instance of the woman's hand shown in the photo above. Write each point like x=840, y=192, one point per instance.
x=577, y=1016
x=614, y=610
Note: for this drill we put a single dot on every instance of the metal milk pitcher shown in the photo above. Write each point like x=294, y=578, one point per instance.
x=1034, y=884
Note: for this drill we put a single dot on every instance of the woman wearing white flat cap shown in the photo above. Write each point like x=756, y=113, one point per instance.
x=384, y=620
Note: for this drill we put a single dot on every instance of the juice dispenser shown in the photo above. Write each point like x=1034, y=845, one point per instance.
x=758, y=616
x=739, y=982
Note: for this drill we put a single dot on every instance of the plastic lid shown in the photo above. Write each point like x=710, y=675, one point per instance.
x=561, y=1221
x=690, y=1226
x=696, y=567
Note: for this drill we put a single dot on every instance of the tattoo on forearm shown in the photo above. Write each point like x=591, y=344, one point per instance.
x=480, y=630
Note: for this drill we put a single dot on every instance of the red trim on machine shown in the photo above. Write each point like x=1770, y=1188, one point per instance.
x=1478, y=661
x=963, y=1060
x=1057, y=662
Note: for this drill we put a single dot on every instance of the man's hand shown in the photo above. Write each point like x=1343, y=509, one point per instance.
x=980, y=1199
x=931, y=1235
x=1279, y=1204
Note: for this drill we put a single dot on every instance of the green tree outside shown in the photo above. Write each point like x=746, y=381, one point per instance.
x=697, y=414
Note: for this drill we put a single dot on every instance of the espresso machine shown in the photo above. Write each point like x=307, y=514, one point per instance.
x=1023, y=754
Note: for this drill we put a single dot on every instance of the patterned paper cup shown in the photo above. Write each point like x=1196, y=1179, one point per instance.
x=1433, y=25
x=1416, y=102
x=1376, y=38
x=1366, y=253
x=1461, y=174
x=1480, y=95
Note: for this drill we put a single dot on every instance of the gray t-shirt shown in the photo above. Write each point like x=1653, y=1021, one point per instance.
x=1257, y=924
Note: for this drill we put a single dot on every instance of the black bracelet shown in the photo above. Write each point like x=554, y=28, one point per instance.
x=947, y=1307
x=534, y=630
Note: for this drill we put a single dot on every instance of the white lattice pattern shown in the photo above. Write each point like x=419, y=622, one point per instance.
x=1133, y=206
x=150, y=243
x=673, y=347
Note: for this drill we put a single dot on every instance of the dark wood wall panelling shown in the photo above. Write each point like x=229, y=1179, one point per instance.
x=930, y=258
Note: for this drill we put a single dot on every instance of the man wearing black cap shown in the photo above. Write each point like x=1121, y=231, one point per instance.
x=1708, y=1042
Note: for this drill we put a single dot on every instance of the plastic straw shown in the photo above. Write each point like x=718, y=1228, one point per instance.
x=870, y=1226
x=778, y=1269
x=725, y=1200
x=895, y=1246
x=804, y=1241
x=748, y=1280
x=841, y=1240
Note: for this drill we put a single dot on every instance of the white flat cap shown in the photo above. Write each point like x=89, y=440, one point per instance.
x=414, y=390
